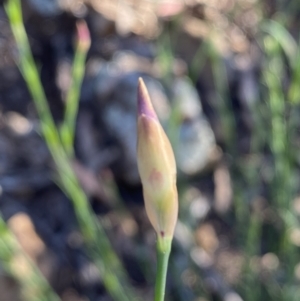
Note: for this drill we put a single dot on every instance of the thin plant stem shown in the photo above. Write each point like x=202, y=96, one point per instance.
x=98, y=245
x=281, y=147
x=34, y=286
x=72, y=100
x=31, y=75
x=163, y=248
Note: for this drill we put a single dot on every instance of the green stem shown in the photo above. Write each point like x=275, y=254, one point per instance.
x=72, y=101
x=61, y=148
x=163, y=252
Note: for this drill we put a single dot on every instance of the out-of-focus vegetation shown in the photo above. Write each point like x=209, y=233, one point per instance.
x=60, y=141
x=238, y=234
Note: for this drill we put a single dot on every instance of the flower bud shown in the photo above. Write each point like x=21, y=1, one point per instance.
x=157, y=167
x=83, y=36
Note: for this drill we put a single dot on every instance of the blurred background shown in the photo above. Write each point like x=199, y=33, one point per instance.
x=224, y=77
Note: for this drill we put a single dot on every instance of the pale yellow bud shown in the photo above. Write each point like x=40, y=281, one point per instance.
x=157, y=167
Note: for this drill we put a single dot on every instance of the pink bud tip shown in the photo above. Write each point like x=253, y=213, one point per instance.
x=145, y=106
x=83, y=34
